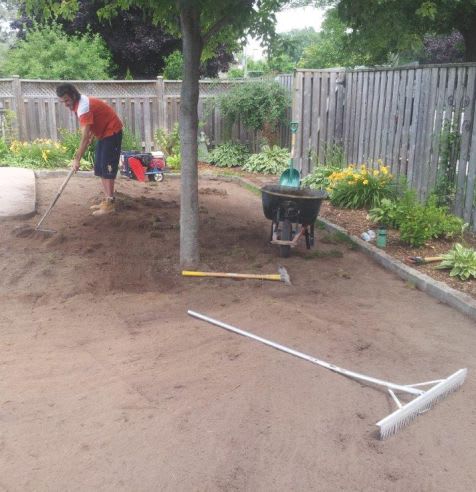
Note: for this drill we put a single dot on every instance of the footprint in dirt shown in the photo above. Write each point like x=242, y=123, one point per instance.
x=57, y=239
x=93, y=248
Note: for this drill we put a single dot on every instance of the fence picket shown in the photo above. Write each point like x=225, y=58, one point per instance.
x=331, y=112
x=373, y=117
x=381, y=109
x=306, y=123
x=400, y=111
x=340, y=98
x=323, y=103
x=298, y=103
x=460, y=171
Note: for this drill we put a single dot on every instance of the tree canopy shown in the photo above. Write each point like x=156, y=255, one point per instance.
x=332, y=47
x=286, y=49
x=138, y=46
x=389, y=26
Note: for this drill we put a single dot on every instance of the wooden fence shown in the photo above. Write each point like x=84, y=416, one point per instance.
x=399, y=116
x=144, y=106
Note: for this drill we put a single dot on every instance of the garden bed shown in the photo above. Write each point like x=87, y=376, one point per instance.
x=355, y=222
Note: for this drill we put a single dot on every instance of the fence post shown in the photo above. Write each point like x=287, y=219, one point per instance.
x=19, y=108
x=161, y=102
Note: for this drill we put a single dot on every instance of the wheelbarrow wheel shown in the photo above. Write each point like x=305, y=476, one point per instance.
x=285, y=249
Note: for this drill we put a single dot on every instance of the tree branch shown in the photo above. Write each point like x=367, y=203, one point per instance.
x=215, y=28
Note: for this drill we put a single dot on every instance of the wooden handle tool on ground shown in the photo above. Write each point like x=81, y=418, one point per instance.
x=282, y=276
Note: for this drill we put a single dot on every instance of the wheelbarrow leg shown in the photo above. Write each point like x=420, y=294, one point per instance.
x=286, y=231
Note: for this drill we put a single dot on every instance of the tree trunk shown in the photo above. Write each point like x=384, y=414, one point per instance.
x=192, y=49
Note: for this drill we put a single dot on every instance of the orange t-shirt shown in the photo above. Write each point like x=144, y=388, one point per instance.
x=102, y=118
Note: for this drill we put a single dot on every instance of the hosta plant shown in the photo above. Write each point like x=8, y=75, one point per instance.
x=229, y=155
x=271, y=160
x=462, y=262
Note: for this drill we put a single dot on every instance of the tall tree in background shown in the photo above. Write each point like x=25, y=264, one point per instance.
x=203, y=24
x=381, y=27
x=138, y=46
x=333, y=47
x=285, y=49
x=8, y=10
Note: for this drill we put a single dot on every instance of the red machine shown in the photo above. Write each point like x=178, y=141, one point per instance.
x=138, y=165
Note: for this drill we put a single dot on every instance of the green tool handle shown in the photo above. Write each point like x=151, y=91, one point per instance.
x=294, y=127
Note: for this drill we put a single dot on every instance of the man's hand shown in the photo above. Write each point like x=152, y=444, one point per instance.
x=75, y=165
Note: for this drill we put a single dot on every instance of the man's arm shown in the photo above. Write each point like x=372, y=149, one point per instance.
x=86, y=137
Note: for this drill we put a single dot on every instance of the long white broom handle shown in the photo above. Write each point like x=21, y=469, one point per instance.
x=62, y=187
x=314, y=360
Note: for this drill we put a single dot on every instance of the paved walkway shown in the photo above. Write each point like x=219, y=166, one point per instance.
x=17, y=193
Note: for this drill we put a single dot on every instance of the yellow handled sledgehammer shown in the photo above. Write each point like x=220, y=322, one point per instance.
x=282, y=276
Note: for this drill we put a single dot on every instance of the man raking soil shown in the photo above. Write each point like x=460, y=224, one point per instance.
x=99, y=120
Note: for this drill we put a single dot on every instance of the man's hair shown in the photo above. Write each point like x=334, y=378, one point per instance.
x=68, y=90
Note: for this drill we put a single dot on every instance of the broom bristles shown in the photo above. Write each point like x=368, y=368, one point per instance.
x=403, y=416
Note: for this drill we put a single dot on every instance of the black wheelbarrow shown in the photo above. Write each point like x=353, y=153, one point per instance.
x=292, y=212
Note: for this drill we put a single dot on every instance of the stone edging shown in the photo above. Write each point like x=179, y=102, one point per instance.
x=439, y=290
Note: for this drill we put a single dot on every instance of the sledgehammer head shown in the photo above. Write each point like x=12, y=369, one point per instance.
x=284, y=275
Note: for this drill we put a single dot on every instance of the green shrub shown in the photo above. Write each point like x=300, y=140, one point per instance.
x=462, y=262
x=168, y=142
x=416, y=230
x=174, y=162
x=130, y=141
x=4, y=150
x=271, y=160
x=228, y=155
x=257, y=105
x=421, y=222
x=71, y=140
x=392, y=213
x=417, y=222
x=173, y=68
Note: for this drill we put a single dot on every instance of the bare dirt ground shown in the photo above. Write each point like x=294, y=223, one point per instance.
x=107, y=384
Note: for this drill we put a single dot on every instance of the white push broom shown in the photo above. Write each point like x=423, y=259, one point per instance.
x=405, y=413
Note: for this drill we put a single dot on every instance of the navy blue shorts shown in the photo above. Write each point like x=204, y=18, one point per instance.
x=108, y=152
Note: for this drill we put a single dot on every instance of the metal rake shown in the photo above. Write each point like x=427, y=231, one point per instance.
x=405, y=413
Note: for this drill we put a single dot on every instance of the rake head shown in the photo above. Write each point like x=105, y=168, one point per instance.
x=405, y=414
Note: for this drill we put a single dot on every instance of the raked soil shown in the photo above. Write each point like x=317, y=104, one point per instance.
x=107, y=384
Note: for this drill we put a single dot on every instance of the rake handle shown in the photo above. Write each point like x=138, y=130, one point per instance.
x=62, y=187
x=314, y=360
